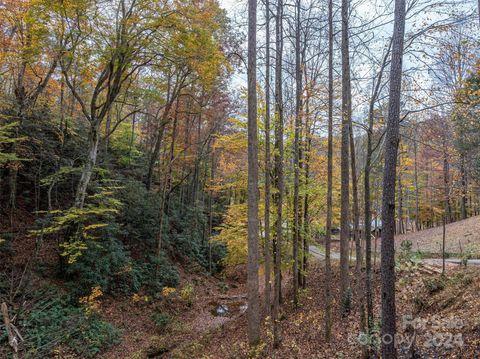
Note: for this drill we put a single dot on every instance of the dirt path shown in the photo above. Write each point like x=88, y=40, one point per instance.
x=317, y=253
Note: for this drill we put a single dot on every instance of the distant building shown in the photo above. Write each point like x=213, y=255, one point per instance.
x=375, y=225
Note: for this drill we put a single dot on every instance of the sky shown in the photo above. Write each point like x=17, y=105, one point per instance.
x=229, y=5
x=368, y=10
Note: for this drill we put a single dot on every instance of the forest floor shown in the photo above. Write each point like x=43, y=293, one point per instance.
x=213, y=303
x=211, y=322
x=443, y=310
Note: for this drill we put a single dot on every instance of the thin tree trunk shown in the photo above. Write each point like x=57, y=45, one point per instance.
x=163, y=200
x=306, y=226
x=253, y=310
x=356, y=232
x=296, y=163
x=268, y=300
x=443, y=245
x=132, y=138
x=367, y=201
x=463, y=200
x=171, y=158
x=345, y=294
x=93, y=141
x=158, y=145
x=446, y=181
x=368, y=225
x=355, y=208
x=328, y=236
x=430, y=196
x=278, y=198
x=107, y=137
x=392, y=140
x=417, y=206
x=306, y=217
x=210, y=213
x=400, y=197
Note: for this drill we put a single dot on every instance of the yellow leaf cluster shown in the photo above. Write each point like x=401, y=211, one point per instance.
x=91, y=301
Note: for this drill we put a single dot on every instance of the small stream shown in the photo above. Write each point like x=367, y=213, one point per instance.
x=228, y=309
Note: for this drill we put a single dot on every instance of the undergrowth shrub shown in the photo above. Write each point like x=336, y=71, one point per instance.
x=110, y=242
x=461, y=279
x=183, y=235
x=96, y=335
x=434, y=284
x=407, y=259
x=139, y=215
x=154, y=280
x=369, y=338
x=472, y=251
x=187, y=293
x=53, y=320
x=187, y=231
x=161, y=320
x=218, y=252
x=104, y=263
x=420, y=301
x=76, y=225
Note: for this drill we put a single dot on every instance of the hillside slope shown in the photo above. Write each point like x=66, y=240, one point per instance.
x=461, y=237
x=443, y=311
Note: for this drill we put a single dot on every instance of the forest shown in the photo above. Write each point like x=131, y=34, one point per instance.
x=239, y=179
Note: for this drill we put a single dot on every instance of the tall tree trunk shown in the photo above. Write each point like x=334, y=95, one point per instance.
x=344, y=165
x=306, y=222
x=158, y=145
x=278, y=198
x=268, y=300
x=108, y=123
x=367, y=200
x=253, y=310
x=360, y=295
x=93, y=141
x=368, y=223
x=400, y=197
x=210, y=212
x=296, y=162
x=171, y=158
x=392, y=140
x=446, y=180
x=463, y=199
x=328, y=236
x=415, y=179
x=430, y=197
x=443, y=244
x=21, y=104
x=132, y=138
x=355, y=207
x=164, y=188
x=306, y=216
